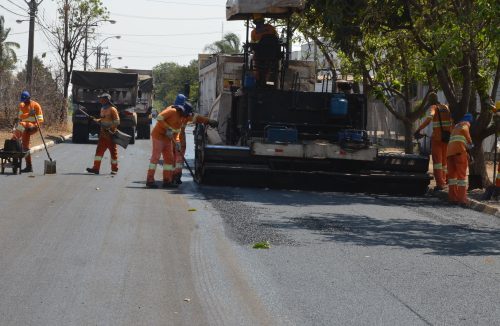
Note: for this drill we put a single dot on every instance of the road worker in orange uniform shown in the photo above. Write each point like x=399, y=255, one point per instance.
x=261, y=29
x=29, y=113
x=460, y=142
x=164, y=135
x=442, y=123
x=266, y=52
x=109, y=121
x=180, y=141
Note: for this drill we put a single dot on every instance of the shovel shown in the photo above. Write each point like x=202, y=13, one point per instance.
x=49, y=166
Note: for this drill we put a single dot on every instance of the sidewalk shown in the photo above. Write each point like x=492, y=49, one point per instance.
x=491, y=207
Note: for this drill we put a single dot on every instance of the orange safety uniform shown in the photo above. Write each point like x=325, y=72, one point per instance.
x=438, y=146
x=496, y=110
x=261, y=30
x=458, y=163
x=109, y=120
x=27, y=124
x=181, y=138
x=169, y=119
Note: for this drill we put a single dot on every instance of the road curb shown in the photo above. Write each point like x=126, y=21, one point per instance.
x=472, y=203
x=50, y=143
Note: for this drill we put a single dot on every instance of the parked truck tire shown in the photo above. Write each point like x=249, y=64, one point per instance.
x=143, y=131
x=80, y=134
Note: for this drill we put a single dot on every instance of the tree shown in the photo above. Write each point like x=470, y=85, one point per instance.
x=68, y=33
x=8, y=56
x=230, y=44
x=386, y=62
x=171, y=78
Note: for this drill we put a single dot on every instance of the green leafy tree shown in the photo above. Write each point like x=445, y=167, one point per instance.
x=230, y=44
x=171, y=78
x=69, y=32
x=8, y=56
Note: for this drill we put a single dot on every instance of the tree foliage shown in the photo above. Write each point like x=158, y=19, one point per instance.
x=171, y=78
x=8, y=56
x=230, y=44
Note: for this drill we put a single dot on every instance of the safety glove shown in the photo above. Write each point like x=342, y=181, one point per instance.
x=417, y=135
x=213, y=123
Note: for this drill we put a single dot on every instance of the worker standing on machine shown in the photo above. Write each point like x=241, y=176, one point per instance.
x=460, y=142
x=180, y=142
x=109, y=120
x=442, y=123
x=265, y=46
x=29, y=113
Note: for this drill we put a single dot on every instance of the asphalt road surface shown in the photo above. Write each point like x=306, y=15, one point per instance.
x=79, y=249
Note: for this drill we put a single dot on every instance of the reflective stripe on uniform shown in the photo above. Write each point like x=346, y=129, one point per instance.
x=39, y=117
x=116, y=122
x=160, y=117
x=168, y=167
x=20, y=128
x=436, y=124
x=20, y=113
x=462, y=183
x=452, y=182
x=152, y=166
x=29, y=119
x=498, y=176
x=438, y=166
x=178, y=165
x=98, y=158
x=458, y=138
x=114, y=161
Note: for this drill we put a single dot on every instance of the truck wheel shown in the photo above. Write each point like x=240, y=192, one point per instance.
x=146, y=131
x=199, y=154
x=80, y=134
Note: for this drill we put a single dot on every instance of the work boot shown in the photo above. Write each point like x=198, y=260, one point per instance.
x=92, y=170
x=167, y=184
x=27, y=169
x=114, y=171
x=151, y=185
x=177, y=179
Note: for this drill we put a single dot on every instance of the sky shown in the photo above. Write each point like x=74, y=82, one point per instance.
x=151, y=31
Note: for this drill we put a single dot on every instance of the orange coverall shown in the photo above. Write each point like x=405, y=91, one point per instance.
x=259, y=31
x=458, y=163
x=181, y=138
x=110, y=119
x=168, y=120
x=438, y=146
x=27, y=125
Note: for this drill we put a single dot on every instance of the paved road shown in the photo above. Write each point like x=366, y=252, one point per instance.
x=78, y=249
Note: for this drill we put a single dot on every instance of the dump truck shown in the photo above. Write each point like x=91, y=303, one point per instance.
x=87, y=85
x=144, y=105
x=280, y=132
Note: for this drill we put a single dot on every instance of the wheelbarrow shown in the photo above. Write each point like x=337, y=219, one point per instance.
x=11, y=156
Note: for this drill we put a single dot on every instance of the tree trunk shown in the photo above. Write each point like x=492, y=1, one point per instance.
x=408, y=137
x=478, y=168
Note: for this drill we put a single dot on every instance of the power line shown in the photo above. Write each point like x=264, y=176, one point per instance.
x=14, y=12
x=186, y=3
x=167, y=18
x=181, y=34
x=15, y=4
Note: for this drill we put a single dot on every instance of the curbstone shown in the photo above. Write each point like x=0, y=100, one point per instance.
x=50, y=143
x=473, y=204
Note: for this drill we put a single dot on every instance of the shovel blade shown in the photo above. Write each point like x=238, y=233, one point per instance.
x=49, y=167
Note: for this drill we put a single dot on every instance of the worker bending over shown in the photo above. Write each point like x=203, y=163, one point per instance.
x=442, y=123
x=460, y=142
x=180, y=141
x=166, y=131
x=109, y=121
x=30, y=112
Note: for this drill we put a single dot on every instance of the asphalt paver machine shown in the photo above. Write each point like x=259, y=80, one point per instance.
x=276, y=131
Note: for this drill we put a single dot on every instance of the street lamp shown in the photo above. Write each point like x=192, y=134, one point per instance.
x=85, y=56
x=99, y=48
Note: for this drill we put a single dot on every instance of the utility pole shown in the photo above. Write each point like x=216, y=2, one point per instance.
x=66, y=49
x=33, y=5
x=106, y=60
x=85, y=57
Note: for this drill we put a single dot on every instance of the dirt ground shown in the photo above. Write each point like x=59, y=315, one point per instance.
x=49, y=133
